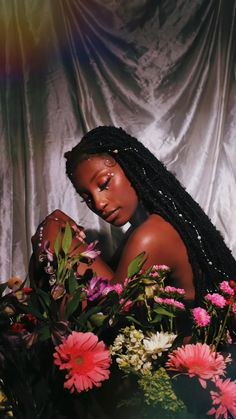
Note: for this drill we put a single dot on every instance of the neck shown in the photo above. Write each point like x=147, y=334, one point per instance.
x=139, y=216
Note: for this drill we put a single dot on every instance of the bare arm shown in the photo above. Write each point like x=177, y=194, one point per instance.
x=157, y=238
x=49, y=229
x=162, y=246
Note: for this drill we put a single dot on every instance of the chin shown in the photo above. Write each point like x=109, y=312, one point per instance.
x=119, y=222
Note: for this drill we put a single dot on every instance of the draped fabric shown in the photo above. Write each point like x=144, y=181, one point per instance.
x=164, y=70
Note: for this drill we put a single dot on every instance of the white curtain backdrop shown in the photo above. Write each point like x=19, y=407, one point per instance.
x=164, y=70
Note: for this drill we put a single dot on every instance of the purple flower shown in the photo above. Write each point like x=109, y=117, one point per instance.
x=91, y=252
x=60, y=331
x=58, y=291
x=30, y=338
x=47, y=250
x=98, y=287
x=49, y=269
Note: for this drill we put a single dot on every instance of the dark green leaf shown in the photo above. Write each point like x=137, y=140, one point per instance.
x=157, y=319
x=162, y=310
x=133, y=320
x=72, y=304
x=30, y=308
x=73, y=284
x=85, y=315
x=89, y=326
x=136, y=264
x=44, y=333
x=44, y=296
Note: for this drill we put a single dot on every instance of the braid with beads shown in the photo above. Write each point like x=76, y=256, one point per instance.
x=161, y=193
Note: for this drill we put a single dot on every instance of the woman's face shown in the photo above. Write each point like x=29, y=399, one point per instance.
x=106, y=190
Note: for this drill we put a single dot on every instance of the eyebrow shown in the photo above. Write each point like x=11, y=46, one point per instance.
x=80, y=192
x=95, y=175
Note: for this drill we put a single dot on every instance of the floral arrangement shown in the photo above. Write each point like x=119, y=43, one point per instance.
x=69, y=346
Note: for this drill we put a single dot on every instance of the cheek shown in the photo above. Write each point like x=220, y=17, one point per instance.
x=126, y=193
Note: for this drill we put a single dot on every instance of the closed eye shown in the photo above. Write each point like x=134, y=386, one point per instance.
x=105, y=184
x=88, y=200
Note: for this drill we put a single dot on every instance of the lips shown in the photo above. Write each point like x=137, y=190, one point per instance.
x=111, y=215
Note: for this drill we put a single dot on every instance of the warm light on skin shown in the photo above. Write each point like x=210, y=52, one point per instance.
x=106, y=190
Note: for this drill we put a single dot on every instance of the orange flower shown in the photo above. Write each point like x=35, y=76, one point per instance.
x=14, y=282
x=197, y=360
x=86, y=360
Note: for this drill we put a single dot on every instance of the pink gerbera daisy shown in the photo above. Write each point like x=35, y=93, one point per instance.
x=225, y=397
x=197, y=360
x=86, y=360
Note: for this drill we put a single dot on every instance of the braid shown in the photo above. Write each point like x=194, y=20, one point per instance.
x=161, y=193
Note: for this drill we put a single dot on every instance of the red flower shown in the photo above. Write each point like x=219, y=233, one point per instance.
x=86, y=360
x=232, y=283
x=18, y=327
x=27, y=290
x=28, y=317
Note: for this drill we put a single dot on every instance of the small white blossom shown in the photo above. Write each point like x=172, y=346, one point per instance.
x=158, y=342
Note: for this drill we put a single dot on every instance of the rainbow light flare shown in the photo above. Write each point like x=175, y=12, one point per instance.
x=35, y=34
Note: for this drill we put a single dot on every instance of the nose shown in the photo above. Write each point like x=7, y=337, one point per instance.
x=99, y=202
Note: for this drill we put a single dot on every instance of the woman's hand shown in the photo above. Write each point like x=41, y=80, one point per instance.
x=47, y=231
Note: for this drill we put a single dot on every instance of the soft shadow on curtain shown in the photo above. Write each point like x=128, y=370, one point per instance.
x=163, y=70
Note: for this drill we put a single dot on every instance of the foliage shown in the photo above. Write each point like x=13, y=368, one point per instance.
x=140, y=322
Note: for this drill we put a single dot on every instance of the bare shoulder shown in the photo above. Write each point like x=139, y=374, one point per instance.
x=155, y=230
x=157, y=238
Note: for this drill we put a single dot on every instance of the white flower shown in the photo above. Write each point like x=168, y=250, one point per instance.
x=158, y=342
x=147, y=366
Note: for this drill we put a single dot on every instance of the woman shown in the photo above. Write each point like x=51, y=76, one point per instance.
x=120, y=180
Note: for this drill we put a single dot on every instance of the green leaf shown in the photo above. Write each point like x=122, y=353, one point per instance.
x=44, y=333
x=157, y=319
x=73, y=284
x=57, y=243
x=67, y=239
x=133, y=320
x=163, y=311
x=72, y=304
x=136, y=264
x=30, y=308
x=147, y=272
x=85, y=315
x=44, y=297
x=89, y=326
x=98, y=319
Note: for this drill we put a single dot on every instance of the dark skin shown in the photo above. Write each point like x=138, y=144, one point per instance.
x=106, y=190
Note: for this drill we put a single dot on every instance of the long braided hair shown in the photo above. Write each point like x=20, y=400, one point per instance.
x=161, y=193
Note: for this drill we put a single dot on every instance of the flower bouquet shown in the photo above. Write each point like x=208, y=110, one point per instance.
x=80, y=347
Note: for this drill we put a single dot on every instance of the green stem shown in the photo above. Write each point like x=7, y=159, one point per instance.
x=222, y=328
